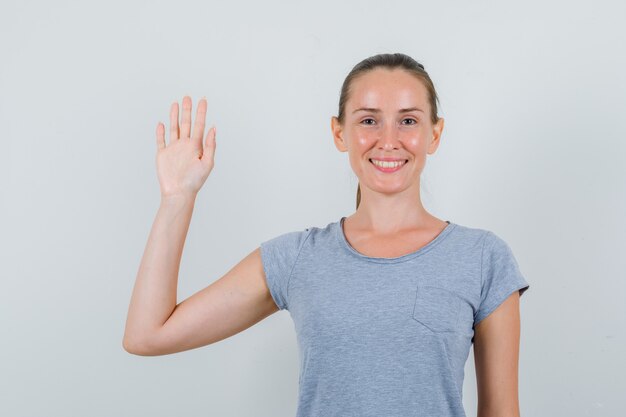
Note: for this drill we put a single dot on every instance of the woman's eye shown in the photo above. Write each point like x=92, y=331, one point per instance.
x=366, y=120
x=411, y=120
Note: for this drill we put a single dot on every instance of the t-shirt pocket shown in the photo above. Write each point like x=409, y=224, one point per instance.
x=436, y=308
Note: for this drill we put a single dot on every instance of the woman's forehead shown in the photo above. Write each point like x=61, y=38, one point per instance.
x=387, y=88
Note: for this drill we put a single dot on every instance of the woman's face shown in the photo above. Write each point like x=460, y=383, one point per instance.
x=387, y=118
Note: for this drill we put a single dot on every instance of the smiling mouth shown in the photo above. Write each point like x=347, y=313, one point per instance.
x=388, y=166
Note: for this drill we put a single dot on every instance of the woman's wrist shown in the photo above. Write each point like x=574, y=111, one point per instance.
x=178, y=198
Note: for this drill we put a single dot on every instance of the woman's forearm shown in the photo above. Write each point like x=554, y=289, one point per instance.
x=154, y=295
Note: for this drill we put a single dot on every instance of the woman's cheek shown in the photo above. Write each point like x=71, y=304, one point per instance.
x=362, y=141
x=413, y=140
x=366, y=138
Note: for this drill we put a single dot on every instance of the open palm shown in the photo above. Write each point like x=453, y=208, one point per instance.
x=184, y=164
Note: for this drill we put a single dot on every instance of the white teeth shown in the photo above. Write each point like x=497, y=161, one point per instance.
x=387, y=164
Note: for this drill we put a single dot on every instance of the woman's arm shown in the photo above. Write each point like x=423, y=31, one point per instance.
x=496, y=356
x=154, y=295
x=155, y=324
x=183, y=166
x=226, y=307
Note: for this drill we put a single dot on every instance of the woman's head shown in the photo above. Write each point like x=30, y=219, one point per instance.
x=378, y=96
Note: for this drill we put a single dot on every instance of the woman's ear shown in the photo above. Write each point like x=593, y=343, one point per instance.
x=337, y=130
x=437, y=130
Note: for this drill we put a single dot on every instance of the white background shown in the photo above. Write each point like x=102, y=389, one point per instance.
x=533, y=94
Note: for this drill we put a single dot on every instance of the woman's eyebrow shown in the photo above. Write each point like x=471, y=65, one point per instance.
x=374, y=110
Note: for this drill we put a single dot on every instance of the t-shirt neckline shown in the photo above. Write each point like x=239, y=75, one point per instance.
x=434, y=242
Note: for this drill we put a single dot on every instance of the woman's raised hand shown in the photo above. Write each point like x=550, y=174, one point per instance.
x=184, y=164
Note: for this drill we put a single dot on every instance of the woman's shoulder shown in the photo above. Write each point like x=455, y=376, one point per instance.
x=300, y=235
x=466, y=232
x=487, y=239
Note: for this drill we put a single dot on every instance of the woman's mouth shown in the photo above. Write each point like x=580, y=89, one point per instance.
x=388, y=166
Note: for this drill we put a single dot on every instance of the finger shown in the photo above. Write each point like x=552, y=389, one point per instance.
x=185, y=126
x=160, y=134
x=198, y=127
x=174, y=134
x=209, y=146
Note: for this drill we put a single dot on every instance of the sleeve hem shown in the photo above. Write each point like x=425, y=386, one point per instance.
x=268, y=269
x=521, y=287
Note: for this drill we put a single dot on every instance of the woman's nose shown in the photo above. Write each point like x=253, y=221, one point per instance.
x=389, y=137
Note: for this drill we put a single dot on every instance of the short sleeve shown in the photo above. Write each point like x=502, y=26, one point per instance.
x=279, y=256
x=500, y=276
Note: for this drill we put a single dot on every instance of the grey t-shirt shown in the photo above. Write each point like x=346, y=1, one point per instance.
x=386, y=336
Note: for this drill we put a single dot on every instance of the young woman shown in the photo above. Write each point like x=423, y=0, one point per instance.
x=386, y=302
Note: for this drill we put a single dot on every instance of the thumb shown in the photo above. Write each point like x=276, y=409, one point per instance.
x=209, y=146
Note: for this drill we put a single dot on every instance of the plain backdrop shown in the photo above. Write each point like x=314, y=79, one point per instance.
x=533, y=94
